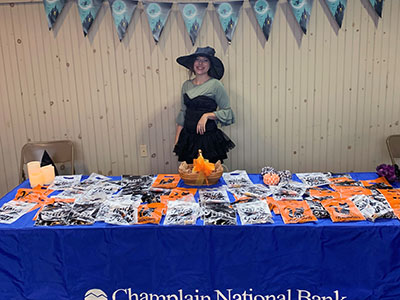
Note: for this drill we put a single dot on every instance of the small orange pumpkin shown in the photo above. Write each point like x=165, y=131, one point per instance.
x=271, y=179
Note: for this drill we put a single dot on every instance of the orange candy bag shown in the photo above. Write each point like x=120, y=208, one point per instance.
x=151, y=213
x=166, y=181
x=380, y=182
x=344, y=180
x=393, y=197
x=347, y=192
x=272, y=205
x=36, y=195
x=293, y=211
x=178, y=193
x=342, y=210
x=323, y=194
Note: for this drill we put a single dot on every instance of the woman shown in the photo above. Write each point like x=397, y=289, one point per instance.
x=204, y=103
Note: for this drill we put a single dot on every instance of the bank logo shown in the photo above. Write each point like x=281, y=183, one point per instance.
x=95, y=294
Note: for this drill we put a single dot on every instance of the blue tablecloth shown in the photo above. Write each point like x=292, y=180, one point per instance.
x=356, y=260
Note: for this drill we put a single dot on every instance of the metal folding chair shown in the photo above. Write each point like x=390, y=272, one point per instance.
x=393, y=146
x=60, y=152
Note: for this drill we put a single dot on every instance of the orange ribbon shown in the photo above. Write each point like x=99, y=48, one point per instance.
x=203, y=166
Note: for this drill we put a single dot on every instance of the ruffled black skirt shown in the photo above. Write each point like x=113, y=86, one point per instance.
x=213, y=144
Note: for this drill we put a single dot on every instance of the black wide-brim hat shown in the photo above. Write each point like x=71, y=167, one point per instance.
x=216, y=67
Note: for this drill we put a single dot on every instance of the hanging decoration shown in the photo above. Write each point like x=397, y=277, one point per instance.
x=337, y=8
x=122, y=11
x=157, y=15
x=88, y=10
x=302, y=11
x=193, y=14
x=378, y=6
x=265, y=12
x=228, y=13
x=53, y=9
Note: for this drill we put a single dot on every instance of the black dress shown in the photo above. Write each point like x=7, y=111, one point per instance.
x=214, y=144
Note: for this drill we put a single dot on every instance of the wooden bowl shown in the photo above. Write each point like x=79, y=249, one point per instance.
x=189, y=178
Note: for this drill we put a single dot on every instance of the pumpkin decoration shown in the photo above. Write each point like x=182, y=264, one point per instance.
x=274, y=176
x=271, y=179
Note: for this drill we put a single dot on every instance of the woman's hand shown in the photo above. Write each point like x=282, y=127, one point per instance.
x=201, y=125
x=178, y=132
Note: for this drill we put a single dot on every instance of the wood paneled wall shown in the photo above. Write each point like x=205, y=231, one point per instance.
x=324, y=101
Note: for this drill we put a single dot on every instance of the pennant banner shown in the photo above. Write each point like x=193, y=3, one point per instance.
x=122, y=11
x=88, y=10
x=337, y=8
x=53, y=9
x=265, y=12
x=378, y=6
x=157, y=14
x=193, y=14
x=228, y=13
x=302, y=11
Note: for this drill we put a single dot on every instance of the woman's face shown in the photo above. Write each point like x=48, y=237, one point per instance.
x=201, y=65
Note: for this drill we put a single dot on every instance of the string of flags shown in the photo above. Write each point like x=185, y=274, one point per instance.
x=193, y=14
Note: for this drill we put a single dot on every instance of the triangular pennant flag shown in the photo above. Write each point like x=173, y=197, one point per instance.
x=265, y=12
x=193, y=14
x=378, y=6
x=88, y=10
x=302, y=11
x=228, y=13
x=157, y=14
x=53, y=9
x=337, y=8
x=122, y=11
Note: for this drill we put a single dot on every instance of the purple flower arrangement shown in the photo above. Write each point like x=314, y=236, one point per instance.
x=390, y=172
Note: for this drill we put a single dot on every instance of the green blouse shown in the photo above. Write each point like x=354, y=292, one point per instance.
x=214, y=89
